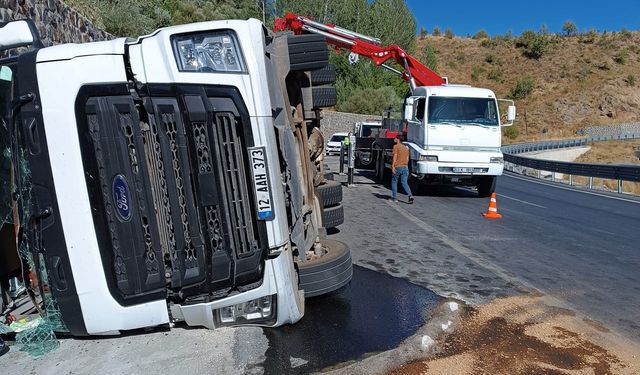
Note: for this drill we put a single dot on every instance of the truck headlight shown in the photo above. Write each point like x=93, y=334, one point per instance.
x=209, y=52
x=496, y=160
x=254, y=311
x=428, y=158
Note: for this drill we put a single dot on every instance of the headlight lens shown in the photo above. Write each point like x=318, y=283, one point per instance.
x=428, y=158
x=254, y=311
x=496, y=160
x=208, y=52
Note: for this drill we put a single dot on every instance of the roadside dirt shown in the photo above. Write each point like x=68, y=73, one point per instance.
x=528, y=335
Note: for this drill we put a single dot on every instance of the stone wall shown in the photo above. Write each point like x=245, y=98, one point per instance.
x=56, y=22
x=334, y=122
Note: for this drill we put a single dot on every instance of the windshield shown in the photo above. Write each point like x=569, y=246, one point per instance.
x=337, y=138
x=6, y=85
x=465, y=111
x=369, y=130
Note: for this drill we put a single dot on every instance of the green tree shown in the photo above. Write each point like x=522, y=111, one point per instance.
x=631, y=80
x=523, y=88
x=481, y=35
x=428, y=56
x=371, y=101
x=436, y=31
x=569, y=28
x=423, y=33
x=448, y=33
x=534, y=45
x=369, y=19
x=134, y=18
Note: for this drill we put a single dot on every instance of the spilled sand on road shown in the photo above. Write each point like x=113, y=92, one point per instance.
x=528, y=335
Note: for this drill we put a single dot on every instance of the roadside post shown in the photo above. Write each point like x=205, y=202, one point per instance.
x=352, y=158
x=343, y=149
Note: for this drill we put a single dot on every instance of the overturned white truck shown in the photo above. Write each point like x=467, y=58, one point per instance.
x=173, y=177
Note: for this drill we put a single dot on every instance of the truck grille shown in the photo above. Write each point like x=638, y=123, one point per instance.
x=192, y=212
x=234, y=185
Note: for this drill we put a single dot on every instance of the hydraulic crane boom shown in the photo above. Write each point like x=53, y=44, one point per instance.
x=414, y=71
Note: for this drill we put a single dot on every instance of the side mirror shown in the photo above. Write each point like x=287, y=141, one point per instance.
x=511, y=113
x=20, y=33
x=408, y=109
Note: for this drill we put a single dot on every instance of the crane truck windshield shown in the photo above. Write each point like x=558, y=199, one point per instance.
x=462, y=111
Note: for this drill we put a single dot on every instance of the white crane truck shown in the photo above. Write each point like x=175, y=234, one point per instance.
x=453, y=131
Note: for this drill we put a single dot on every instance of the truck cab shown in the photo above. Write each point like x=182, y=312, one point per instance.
x=166, y=178
x=454, y=135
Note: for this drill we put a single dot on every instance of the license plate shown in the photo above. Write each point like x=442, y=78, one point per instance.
x=462, y=170
x=264, y=201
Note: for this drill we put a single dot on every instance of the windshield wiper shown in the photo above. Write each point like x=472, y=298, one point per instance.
x=479, y=124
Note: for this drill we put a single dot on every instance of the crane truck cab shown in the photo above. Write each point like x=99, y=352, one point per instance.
x=167, y=178
x=454, y=135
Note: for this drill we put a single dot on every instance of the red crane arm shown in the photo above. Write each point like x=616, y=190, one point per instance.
x=414, y=71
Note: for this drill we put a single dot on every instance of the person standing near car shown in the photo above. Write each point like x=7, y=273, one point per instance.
x=400, y=168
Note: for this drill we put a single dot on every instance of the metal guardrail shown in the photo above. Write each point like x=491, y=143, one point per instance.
x=605, y=171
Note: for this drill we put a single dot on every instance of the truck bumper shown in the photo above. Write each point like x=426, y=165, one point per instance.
x=280, y=282
x=458, y=169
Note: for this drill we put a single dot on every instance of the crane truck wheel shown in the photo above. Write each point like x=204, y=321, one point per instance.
x=415, y=185
x=486, y=186
x=329, y=193
x=327, y=273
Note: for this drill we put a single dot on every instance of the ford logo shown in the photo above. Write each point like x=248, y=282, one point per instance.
x=121, y=197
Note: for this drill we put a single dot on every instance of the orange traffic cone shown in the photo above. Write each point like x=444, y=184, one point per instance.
x=492, y=211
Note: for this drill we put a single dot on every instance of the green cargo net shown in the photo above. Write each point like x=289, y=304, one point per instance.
x=36, y=336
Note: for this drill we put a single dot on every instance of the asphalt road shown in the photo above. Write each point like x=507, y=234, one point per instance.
x=581, y=247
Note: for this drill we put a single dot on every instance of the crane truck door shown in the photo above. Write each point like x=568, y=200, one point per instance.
x=414, y=114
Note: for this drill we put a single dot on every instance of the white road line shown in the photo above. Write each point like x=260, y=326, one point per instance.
x=521, y=201
x=570, y=189
x=460, y=248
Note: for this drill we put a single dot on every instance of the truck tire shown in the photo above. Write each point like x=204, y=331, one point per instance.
x=415, y=185
x=486, y=186
x=307, y=52
x=332, y=216
x=329, y=193
x=324, y=76
x=365, y=164
x=328, y=273
x=324, y=96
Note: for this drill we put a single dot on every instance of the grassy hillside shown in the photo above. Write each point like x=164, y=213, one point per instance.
x=589, y=79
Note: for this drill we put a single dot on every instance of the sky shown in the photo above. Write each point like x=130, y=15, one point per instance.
x=497, y=17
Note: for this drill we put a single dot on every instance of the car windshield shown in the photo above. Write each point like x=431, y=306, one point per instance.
x=337, y=138
x=463, y=111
